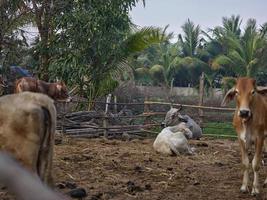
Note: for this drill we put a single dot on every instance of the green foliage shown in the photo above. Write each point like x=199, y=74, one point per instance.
x=157, y=74
x=228, y=83
x=232, y=25
x=242, y=53
x=94, y=45
x=142, y=76
x=12, y=39
x=191, y=39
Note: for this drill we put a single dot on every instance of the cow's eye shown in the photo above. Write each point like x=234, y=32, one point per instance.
x=253, y=92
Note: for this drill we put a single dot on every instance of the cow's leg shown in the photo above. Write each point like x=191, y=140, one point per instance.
x=256, y=164
x=265, y=144
x=245, y=163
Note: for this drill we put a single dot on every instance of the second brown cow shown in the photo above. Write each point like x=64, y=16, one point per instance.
x=57, y=91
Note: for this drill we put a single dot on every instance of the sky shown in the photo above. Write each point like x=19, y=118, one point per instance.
x=206, y=13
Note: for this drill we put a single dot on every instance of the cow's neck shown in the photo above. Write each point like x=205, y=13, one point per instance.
x=45, y=86
x=258, y=109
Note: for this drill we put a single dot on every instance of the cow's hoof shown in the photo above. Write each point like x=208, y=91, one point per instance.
x=244, y=189
x=255, y=191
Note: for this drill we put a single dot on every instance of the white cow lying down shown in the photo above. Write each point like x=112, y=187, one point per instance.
x=172, y=140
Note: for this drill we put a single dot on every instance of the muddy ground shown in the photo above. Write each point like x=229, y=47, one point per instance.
x=132, y=170
x=114, y=169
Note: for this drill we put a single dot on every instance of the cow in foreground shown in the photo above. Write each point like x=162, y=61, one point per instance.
x=250, y=122
x=57, y=91
x=172, y=140
x=27, y=127
x=173, y=117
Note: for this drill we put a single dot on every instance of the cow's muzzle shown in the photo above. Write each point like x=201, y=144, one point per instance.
x=244, y=113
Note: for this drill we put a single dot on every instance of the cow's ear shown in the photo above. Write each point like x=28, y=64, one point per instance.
x=262, y=90
x=254, y=82
x=229, y=96
x=177, y=113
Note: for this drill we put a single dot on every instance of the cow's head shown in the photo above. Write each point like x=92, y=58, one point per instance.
x=173, y=117
x=245, y=92
x=62, y=92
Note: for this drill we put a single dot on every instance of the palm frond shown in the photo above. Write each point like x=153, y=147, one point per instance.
x=143, y=38
x=221, y=61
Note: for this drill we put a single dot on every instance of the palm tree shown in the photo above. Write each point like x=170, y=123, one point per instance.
x=220, y=35
x=232, y=25
x=191, y=52
x=157, y=63
x=191, y=39
x=244, y=53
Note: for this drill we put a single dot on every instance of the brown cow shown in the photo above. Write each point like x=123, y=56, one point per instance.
x=57, y=91
x=27, y=128
x=250, y=122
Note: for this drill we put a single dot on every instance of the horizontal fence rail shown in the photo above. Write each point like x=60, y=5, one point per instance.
x=189, y=106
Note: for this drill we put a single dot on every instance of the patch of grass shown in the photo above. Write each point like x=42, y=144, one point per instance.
x=219, y=128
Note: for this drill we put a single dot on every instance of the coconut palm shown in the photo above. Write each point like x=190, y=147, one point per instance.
x=232, y=25
x=192, y=52
x=191, y=40
x=157, y=63
x=245, y=53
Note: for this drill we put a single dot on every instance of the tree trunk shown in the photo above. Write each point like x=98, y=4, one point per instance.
x=44, y=66
x=43, y=22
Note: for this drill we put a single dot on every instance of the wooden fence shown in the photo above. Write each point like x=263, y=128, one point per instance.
x=105, y=123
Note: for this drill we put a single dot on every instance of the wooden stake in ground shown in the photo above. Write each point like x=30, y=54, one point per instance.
x=105, y=120
x=201, y=97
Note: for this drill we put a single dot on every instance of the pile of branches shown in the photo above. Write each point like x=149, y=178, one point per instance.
x=90, y=124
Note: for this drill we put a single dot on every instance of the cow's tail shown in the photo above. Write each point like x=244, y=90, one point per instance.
x=45, y=157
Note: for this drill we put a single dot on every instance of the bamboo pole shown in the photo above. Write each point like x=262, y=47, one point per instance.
x=190, y=106
x=146, y=110
x=201, y=99
x=167, y=103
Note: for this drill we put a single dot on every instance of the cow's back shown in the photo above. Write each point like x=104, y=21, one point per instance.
x=25, y=84
x=27, y=126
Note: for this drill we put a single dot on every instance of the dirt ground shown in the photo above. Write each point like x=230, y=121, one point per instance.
x=114, y=169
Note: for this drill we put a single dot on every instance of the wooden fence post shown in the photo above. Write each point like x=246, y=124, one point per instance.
x=105, y=121
x=115, y=104
x=64, y=118
x=146, y=110
x=201, y=98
